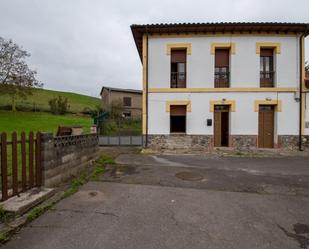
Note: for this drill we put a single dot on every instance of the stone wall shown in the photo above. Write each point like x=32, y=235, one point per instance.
x=65, y=156
x=288, y=142
x=243, y=142
x=180, y=141
x=205, y=142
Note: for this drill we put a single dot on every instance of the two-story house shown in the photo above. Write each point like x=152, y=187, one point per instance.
x=129, y=99
x=209, y=85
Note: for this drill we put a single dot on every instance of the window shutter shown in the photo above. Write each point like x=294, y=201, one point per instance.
x=267, y=52
x=178, y=110
x=222, y=57
x=178, y=56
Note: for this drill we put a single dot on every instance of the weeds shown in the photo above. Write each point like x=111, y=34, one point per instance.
x=4, y=236
x=4, y=215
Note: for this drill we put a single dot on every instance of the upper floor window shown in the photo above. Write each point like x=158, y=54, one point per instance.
x=267, y=73
x=178, y=68
x=222, y=68
x=127, y=101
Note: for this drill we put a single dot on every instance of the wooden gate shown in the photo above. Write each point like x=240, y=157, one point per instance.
x=266, y=126
x=20, y=163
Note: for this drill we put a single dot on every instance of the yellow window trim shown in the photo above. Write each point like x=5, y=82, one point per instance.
x=178, y=102
x=241, y=89
x=186, y=46
x=230, y=45
x=212, y=104
x=276, y=103
x=274, y=45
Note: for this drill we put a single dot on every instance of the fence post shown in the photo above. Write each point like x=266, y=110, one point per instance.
x=38, y=169
x=23, y=162
x=14, y=163
x=4, y=169
x=31, y=177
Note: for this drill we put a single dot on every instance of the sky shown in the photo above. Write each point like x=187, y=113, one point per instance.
x=81, y=45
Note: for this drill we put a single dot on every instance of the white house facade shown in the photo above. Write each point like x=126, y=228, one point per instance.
x=212, y=85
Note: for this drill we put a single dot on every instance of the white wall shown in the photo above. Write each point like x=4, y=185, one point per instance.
x=245, y=63
x=244, y=121
x=307, y=113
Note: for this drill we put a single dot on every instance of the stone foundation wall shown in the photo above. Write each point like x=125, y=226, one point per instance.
x=288, y=142
x=205, y=142
x=306, y=142
x=243, y=142
x=180, y=141
x=65, y=156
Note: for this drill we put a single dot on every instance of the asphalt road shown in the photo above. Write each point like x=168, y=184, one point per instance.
x=178, y=202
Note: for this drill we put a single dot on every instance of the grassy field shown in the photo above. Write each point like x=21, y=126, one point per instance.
x=39, y=121
x=40, y=99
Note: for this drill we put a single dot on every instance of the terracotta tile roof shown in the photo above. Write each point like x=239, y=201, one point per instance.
x=210, y=27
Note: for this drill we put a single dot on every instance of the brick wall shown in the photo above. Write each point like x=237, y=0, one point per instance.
x=64, y=157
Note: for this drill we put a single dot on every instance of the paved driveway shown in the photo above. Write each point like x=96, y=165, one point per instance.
x=178, y=202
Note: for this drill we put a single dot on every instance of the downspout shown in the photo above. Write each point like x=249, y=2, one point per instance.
x=146, y=142
x=300, y=147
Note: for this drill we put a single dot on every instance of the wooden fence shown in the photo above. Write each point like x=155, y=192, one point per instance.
x=20, y=163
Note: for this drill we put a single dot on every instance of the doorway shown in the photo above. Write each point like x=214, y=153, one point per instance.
x=221, y=125
x=266, y=126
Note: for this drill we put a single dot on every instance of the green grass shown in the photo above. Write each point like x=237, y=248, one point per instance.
x=39, y=121
x=124, y=127
x=40, y=97
x=36, y=121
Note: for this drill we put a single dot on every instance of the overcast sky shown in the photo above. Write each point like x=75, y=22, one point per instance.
x=80, y=45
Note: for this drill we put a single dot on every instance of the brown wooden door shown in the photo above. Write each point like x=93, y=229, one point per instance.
x=266, y=126
x=221, y=125
x=217, y=129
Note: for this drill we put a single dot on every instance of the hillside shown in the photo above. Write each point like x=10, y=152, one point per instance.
x=39, y=100
x=39, y=121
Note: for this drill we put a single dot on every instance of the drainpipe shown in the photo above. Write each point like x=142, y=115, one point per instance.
x=300, y=146
x=146, y=142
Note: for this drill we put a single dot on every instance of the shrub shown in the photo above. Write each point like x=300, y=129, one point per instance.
x=59, y=105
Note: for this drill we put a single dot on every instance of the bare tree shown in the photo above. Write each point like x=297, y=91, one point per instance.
x=16, y=79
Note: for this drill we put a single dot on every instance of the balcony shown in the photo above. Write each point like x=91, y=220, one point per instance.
x=267, y=78
x=222, y=79
x=178, y=79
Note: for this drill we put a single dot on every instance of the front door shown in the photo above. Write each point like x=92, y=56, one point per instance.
x=266, y=126
x=221, y=125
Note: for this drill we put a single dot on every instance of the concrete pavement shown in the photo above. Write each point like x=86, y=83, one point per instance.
x=112, y=215
x=175, y=201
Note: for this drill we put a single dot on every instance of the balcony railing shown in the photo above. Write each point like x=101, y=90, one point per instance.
x=267, y=78
x=178, y=80
x=222, y=79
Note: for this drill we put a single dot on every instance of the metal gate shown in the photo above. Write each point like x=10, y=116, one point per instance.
x=121, y=140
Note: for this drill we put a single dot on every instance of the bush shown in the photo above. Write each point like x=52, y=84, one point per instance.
x=59, y=105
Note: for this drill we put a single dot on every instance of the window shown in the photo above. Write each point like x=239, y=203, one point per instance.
x=126, y=101
x=126, y=114
x=222, y=68
x=178, y=68
x=267, y=72
x=178, y=118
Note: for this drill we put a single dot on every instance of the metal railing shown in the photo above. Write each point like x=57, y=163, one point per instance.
x=222, y=79
x=267, y=78
x=178, y=79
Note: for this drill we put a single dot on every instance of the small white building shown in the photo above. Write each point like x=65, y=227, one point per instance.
x=212, y=85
